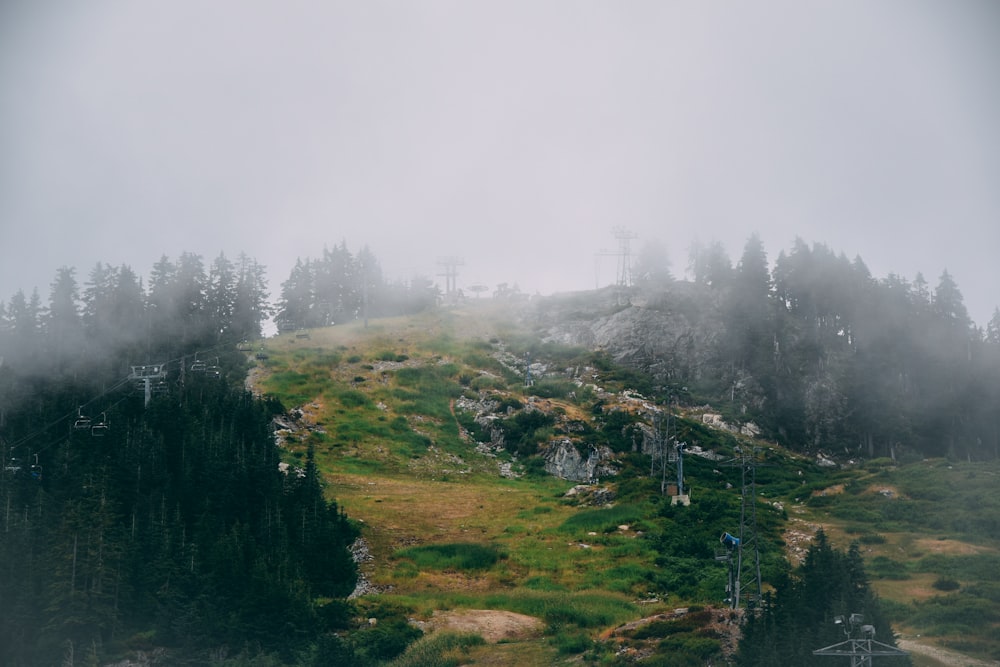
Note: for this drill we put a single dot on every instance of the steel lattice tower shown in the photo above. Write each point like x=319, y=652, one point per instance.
x=624, y=272
x=748, y=581
x=744, y=586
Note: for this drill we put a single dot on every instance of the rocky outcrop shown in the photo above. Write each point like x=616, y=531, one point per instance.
x=563, y=460
x=670, y=333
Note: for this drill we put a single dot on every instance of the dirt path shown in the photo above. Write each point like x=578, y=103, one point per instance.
x=493, y=626
x=943, y=655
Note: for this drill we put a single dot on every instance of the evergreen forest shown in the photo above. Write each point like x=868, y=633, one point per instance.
x=822, y=355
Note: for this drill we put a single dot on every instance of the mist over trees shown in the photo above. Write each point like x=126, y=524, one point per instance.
x=113, y=316
x=825, y=356
x=340, y=287
x=185, y=304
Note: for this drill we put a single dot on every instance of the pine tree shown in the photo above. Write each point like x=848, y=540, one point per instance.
x=711, y=266
x=250, y=307
x=220, y=296
x=298, y=297
x=63, y=325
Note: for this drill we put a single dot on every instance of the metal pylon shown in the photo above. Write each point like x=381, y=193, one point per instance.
x=747, y=582
x=624, y=236
x=860, y=651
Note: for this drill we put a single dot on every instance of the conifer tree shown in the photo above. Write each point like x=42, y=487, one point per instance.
x=63, y=326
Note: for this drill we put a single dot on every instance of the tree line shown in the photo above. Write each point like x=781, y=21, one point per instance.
x=185, y=305
x=825, y=356
x=119, y=316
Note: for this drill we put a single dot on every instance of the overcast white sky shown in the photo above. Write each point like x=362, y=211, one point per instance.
x=513, y=134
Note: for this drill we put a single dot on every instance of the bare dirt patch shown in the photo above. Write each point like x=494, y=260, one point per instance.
x=492, y=626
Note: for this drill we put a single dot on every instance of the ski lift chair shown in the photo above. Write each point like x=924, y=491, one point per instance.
x=82, y=422
x=101, y=428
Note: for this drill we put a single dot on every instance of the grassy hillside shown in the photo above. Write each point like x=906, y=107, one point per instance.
x=454, y=521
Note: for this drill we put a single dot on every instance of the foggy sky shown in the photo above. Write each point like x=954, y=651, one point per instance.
x=513, y=134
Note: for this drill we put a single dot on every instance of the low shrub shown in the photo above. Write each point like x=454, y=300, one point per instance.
x=385, y=640
x=488, y=382
x=353, y=399
x=443, y=649
x=946, y=584
x=600, y=520
x=571, y=643
x=882, y=567
x=453, y=556
x=553, y=388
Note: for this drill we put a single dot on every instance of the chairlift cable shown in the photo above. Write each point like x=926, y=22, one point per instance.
x=70, y=415
x=122, y=382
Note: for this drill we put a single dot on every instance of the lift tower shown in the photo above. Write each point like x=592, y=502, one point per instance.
x=667, y=456
x=450, y=275
x=149, y=379
x=745, y=577
x=624, y=272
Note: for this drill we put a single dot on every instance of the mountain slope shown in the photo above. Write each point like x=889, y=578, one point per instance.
x=414, y=423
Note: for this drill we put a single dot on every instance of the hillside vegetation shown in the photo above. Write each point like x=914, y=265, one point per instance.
x=428, y=437
x=492, y=482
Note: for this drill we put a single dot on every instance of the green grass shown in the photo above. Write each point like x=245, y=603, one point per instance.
x=296, y=388
x=427, y=390
x=954, y=614
x=601, y=520
x=453, y=556
x=351, y=398
x=973, y=567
